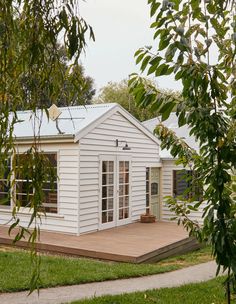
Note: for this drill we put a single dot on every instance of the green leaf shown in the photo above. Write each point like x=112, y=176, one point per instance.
x=154, y=7
x=195, y=4
x=152, y=69
x=156, y=105
x=161, y=70
x=13, y=226
x=211, y=8
x=156, y=59
x=63, y=18
x=166, y=109
x=190, y=207
x=145, y=63
x=164, y=43
x=139, y=51
x=170, y=70
x=140, y=57
x=181, y=119
x=154, y=24
x=179, y=75
x=170, y=52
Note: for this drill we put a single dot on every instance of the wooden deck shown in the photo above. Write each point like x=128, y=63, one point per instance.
x=134, y=243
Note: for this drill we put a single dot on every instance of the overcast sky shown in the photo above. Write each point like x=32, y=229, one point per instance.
x=121, y=27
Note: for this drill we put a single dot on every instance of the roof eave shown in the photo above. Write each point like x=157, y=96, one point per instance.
x=168, y=158
x=62, y=138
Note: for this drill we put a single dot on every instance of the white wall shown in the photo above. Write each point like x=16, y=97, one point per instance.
x=78, y=169
x=100, y=141
x=167, y=190
x=66, y=220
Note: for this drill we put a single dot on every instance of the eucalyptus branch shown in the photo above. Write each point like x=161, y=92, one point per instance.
x=29, y=48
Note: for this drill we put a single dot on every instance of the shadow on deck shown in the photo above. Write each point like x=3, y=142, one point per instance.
x=135, y=243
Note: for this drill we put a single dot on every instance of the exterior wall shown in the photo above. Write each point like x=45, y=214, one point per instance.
x=101, y=141
x=167, y=190
x=66, y=220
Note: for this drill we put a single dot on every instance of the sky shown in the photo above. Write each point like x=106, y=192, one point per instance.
x=121, y=27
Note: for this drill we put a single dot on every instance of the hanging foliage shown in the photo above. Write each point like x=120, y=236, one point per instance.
x=29, y=35
x=196, y=43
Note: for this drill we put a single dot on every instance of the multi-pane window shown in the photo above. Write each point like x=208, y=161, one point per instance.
x=24, y=189
x=147, y=190
x=123, y=190
x=5, y=199
x=23, y=181
x=107, y=191
x=50, y=187
x=184, y=184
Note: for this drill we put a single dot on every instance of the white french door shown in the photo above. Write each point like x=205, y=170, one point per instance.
x=107, y=190
x=114, y=191
x=123, y=191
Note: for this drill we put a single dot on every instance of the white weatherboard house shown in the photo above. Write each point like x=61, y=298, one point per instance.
x=108, y=166
x=172, y=182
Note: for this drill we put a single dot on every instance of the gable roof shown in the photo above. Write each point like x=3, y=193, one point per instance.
x=74, y=122
x=172, y=124
x=71, y=121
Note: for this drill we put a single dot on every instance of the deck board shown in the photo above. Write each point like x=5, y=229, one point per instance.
x=137, y=242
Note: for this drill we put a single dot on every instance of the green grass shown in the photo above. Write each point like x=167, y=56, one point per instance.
x=211, y=292
x=189, y=259
x=57, y=271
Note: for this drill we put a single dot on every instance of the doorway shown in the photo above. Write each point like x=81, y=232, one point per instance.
x=153, y=190
x=114, y=191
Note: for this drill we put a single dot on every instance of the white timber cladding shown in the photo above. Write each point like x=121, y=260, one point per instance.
x=66, y=219
x=101, y=141
x=167, y=190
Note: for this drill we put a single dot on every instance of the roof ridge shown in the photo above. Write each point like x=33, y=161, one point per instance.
x=97, y=105
x=148, y=120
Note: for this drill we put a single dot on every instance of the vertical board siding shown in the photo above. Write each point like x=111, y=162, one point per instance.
x=68, y=192
x=167, y=189
x=101, y=141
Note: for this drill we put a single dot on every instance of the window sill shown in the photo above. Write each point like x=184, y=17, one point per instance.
x=25, y=212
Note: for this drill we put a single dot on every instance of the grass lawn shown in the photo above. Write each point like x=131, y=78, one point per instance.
x=55, y=270
x=211, y=292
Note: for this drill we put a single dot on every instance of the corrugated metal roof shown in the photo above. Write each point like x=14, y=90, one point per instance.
x=71, y=121
x=172, y=123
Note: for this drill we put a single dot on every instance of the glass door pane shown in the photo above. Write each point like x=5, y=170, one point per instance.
x=147, y=190
x=107, y=191
x=154, y=191
x=123, y=201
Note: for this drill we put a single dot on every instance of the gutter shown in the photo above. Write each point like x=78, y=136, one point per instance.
x=60, y=138
x=168, y=158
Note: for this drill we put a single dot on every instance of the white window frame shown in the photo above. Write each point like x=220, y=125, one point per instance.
x=13, y=191
x=8, y=207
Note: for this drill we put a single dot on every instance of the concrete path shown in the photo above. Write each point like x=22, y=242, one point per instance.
x=67, y=294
